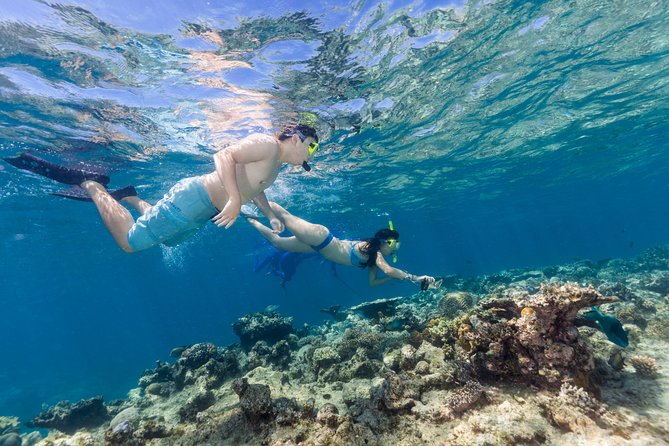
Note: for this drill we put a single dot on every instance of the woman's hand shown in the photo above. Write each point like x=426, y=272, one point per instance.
x=277, y=225
x=229, y=214
x=428, y=279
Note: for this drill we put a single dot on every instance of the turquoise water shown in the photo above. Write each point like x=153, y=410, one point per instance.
x=494, y=134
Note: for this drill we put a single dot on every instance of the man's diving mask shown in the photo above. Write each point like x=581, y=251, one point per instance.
x=313, y=146
x=311, y=149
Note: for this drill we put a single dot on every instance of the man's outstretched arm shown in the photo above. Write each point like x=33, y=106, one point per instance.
x=261, y=202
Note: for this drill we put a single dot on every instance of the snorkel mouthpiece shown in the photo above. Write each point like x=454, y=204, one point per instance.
x=306, y=166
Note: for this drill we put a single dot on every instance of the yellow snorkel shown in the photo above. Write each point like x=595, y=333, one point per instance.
x=390, y=225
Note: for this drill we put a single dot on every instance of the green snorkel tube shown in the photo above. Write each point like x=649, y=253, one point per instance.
x=390, y=226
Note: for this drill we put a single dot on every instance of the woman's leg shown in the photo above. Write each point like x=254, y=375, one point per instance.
x=291, y=244
x=307, y=233
x=116, y=218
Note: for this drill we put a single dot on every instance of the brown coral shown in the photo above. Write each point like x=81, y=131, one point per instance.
x=645, y=366
x=461, y=400
x=574, y=409
x=455, y=302
x=532, y=335
x=630, y=315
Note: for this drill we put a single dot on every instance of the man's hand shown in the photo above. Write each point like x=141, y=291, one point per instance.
x=229, y=214
x=277, y=225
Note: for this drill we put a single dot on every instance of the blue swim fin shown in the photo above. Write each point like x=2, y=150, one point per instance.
x=62, y=174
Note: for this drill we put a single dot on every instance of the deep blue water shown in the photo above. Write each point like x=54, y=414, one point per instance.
x=495, y=135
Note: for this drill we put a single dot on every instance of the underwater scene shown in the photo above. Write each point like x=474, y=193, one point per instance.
x=366, y=222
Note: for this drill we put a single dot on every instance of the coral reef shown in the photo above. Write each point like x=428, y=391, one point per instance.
x=455, y=302
x=255, y=400
x=269, y=327
x=10, y=439
x=198, y=362
x=9, y=424
x=328, y=415
x=532, y=336
x=645, y=366
x=463, y=399
x=69, y=418
x=573, y=409
x=502, y=359
x=372, y=309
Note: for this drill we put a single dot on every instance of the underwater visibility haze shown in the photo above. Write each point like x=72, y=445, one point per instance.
x=494, y=134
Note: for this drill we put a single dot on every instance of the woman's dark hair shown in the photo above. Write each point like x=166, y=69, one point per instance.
x=302, y=130
x=372, y=245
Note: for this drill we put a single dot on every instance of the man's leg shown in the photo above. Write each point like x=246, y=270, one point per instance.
x=116, y=218
x=308, y=233
x=291, y=244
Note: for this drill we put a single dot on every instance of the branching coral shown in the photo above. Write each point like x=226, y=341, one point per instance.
x=574, y=409
x=461, y=400
x=645, y=366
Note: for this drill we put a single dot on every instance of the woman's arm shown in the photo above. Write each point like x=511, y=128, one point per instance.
x=374, y=279
x=396, y=273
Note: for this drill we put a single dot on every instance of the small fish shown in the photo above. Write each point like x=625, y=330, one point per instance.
x=271, y=308
x=335, y=309
x=177, y=351
x=609, y=325
x=335, y=312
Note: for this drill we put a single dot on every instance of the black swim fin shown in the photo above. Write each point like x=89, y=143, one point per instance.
x=56, y=172
x=78, y=193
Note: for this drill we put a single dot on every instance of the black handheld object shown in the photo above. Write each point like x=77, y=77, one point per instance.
x=426, y=284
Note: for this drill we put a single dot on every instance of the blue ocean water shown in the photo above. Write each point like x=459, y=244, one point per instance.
x=495, y=134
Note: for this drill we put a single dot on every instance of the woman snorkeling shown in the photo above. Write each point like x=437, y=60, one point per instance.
x=309, y=237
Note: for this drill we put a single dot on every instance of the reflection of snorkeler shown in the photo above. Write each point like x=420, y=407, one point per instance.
x=309, y=237
x=282, y=263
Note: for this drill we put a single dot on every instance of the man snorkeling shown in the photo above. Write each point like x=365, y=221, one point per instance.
x=243, y=171
x=368, y=253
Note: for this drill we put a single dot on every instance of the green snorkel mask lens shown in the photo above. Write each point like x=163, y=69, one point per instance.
x=392, y=243
x=313, y=146
x=311, y=149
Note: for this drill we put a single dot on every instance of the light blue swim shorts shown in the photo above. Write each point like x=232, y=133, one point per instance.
x=184, y=209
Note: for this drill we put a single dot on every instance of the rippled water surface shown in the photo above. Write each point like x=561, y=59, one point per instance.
x=496, y=134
